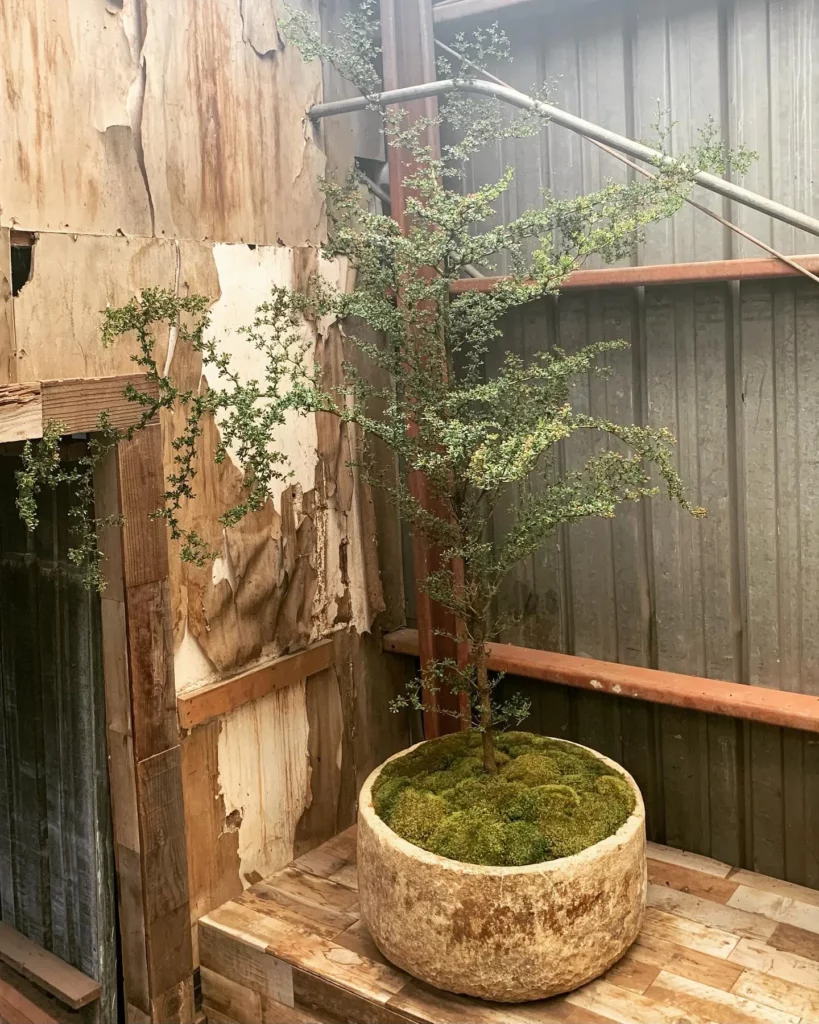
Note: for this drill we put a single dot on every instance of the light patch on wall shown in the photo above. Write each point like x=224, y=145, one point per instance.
x=246, y=277
x=192, y=667
x=264, y=776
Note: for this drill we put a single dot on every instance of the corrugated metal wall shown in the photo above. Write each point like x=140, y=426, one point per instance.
x=56, y=863
x=749, y=64
x=734, y=372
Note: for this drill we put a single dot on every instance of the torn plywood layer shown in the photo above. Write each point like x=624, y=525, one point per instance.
x=264, y=777
x=228, y=154
x=69, y=160
x=291, y=572
x=58, y=314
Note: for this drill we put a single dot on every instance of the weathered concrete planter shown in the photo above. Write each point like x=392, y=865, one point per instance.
x=506, y=934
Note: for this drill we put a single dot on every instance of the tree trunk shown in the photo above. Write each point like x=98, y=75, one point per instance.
x=489, y=760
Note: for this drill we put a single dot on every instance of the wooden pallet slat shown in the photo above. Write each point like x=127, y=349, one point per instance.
x=225, y=695
x=69, y=985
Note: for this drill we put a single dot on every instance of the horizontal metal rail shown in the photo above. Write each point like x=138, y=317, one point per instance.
x=638, y=150
x=705, y=272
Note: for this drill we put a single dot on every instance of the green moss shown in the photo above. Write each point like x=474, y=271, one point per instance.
x=549, y=800
x=416, y=815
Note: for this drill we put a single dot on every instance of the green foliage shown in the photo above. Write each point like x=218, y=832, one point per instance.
x=43, y=467
x=549, y=799
x=478, y=436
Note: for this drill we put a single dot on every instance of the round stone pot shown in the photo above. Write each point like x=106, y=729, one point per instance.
x=505, y=934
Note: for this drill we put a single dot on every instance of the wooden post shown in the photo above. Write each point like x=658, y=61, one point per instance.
x=408, y=51
x=143, y=738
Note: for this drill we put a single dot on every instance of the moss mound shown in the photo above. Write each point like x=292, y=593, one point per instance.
x=549, y=799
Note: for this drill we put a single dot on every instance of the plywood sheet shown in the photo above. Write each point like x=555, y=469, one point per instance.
x=58, y=314
x=227, y=154
x=264, y=776
x=69, y=137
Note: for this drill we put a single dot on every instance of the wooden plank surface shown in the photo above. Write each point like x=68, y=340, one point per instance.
x=223, y=696
x=62, y=980
x=21, y=412
x=752, y=703
x=699, y=960
x=78, y=403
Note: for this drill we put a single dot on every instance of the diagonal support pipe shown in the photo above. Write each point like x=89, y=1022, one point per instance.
x=576, y=124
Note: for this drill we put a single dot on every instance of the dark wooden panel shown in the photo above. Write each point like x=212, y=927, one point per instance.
x=56, y=860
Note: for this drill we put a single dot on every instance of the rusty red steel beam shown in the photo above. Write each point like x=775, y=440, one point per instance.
x=408, y=55
x=706, y=272
x=735, y=700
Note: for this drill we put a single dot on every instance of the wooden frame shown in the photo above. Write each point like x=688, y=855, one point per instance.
x=142, y=731
x=143, y=713
x=225, y=695
x=735, y=700
x=144, y=752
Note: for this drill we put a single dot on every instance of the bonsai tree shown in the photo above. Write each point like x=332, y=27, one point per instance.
x=472, y=433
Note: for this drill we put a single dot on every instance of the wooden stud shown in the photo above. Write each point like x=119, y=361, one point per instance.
x=143, y=736
x=27, y=408
x=223, y=696
x=78, y=403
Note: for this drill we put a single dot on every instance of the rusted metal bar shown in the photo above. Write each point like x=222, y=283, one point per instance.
x=664, y=273
x=638, y=150
x=646, y=174
x=408, y=53
x=455, y=10
x=713, y=696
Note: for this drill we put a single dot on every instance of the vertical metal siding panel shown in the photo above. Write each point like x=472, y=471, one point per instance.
x=652, y=90
x=591, y=567
x=807, y=456
x=794, y=85
x=759, y=381
x=749, y=76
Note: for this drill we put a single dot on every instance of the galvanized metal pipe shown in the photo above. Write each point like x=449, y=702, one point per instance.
x=576, y=124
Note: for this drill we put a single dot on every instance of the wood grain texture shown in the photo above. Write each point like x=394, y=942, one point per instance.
x=21, y=412
x=212, y=842
x=71, y=986
x=680, y=969
x=8, y=353
x=696, y=883
x=151, y=669
x=221, y=697
x=165, y=870
x=77, y=403
x=141, y=486
x=751, y=703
